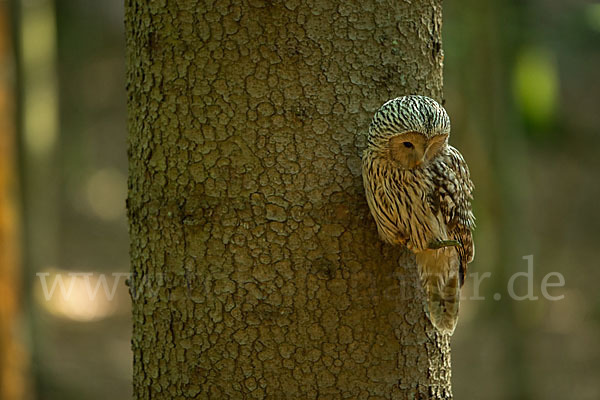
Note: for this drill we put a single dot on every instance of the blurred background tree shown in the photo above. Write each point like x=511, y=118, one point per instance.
x=71, y=79
x=13, y=358
x=522, y=89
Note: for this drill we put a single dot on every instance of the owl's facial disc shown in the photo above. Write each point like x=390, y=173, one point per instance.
x=412, y=149
x=408, y=149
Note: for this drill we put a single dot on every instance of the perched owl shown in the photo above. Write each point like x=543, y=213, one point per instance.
x=419, y=192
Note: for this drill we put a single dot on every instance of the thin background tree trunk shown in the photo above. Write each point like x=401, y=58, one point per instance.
x=257, y=271
x=12, y=353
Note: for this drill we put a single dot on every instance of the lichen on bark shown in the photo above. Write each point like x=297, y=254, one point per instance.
x=256, y=267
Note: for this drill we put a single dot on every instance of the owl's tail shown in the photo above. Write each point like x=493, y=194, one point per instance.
x=439, y=270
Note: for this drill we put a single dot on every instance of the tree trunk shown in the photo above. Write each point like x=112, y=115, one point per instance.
x=13, y=359
x=256, y=267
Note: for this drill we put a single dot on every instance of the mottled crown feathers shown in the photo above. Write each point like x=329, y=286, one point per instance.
x=408, y=114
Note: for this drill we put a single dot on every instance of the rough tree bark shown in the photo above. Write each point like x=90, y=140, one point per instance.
x=257, y=271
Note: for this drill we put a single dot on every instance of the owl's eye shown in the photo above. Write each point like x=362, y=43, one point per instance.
x=408, y=145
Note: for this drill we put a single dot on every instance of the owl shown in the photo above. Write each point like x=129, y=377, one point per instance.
x=419, y=192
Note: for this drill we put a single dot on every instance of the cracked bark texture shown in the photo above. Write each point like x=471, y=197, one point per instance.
x=256, y=267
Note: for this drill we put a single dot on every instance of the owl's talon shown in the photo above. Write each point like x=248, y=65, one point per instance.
x=439, y=244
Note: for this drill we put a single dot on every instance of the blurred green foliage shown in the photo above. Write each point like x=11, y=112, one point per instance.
x=535, y=87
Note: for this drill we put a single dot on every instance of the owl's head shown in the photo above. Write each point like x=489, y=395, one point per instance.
x=410, y=130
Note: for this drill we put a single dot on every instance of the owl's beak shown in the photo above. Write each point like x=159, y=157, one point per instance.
x=424, y=158
x=427, y=150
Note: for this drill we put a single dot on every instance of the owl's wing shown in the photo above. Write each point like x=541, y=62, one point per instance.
x=454, y=193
